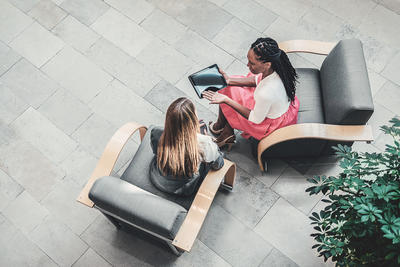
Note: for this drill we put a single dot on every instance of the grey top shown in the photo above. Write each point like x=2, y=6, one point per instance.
x=185, y=186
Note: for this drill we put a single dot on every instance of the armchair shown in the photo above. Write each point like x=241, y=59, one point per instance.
x=335, y=103
x=133, y=200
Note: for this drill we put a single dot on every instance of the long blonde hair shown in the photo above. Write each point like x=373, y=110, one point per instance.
x=178, y=150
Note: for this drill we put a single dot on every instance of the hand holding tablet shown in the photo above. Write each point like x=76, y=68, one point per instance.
x=206, y=79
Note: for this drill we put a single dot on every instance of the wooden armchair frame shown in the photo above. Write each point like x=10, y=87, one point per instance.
x=345, y=133
x=191, y=226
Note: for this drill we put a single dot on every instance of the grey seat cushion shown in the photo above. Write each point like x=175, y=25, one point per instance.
x=143, y=209
x=137, y=173
x=308, y=92
x=345, y=85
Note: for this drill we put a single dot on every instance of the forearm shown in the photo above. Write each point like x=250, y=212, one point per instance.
x=244, y=81
x=245, y=112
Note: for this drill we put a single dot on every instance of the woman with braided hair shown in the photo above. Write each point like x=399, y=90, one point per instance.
x=262, y=101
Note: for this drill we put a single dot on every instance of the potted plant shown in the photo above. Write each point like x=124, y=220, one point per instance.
x=360, y=226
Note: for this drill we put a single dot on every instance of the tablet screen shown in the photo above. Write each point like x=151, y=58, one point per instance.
x=207, y=79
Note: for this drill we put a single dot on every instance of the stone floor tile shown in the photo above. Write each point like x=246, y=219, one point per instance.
x=172, y=7
x=283, y=30
x=65, y=111
x=392, y=5
x=322, y=25
x=37, y=45
x=277, y=259
x=291, y=10
x=234, y=242
x=377, y=53
x=159, y=99
x=136, y=10
x=8, y=57
x=119, y=105
x=164, y=26
x=75, y=33
x=236, y=38
x=78, y=166
x=380, y=117
x=202, y=51
x=128, y=70
x=293, y=190
x=60, y=202
x=94, y=134
x=18, y=250
x=47, y=13
x=237, y=68
x=29, y=83
x=7, y=135
x=31, y=169
x=253, y=13
x=46, y=137
x=13, y=21
x=376, y=81
x=57, y=241
x=24, y=5
x=11, y=106
x=129, y=247
x=218, y=2
x=205, y=18
x=86, y=11
x=77, y=74
x=123, y=32
x=91, y=258
x=388, y=97
x=123, y=249
x=287, y=229
x=344, y=9
x=391, y=69
x=249, y=201
x=242, y=155
x=25, y=212
x=9, y=189
x=168, y=63
x=379, y=24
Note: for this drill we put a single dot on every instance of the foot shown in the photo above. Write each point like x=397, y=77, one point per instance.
x=227, y=137
x=215, y=129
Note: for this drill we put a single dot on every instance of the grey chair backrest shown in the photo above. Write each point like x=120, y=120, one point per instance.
x=345, y=86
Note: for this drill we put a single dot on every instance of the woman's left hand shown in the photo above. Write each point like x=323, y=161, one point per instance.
x=214, y=97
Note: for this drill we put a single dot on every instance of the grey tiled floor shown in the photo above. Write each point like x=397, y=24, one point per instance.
x=73, y=71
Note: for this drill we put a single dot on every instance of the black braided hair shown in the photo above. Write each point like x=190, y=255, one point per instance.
x=267, y=50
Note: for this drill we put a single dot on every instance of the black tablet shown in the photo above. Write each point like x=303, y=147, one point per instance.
x=207, y=79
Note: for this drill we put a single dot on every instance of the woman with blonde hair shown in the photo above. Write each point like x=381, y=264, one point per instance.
x=182, y=156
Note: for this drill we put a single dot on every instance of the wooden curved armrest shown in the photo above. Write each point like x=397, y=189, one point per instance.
x=307, y=46
x=198, y=210
x=315, y=131
x=109, y=157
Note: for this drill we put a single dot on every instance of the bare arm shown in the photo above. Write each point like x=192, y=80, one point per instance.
x=216, y=98
x=243, y=81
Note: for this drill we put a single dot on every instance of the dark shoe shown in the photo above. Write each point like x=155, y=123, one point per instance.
x=229, y=141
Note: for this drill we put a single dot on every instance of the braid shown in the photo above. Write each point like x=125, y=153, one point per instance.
x=267, y=50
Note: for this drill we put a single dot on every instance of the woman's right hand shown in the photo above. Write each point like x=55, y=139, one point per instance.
x=226, y=76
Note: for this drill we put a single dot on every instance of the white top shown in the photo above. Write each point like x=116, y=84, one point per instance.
x=271, y=100
x=208, y=147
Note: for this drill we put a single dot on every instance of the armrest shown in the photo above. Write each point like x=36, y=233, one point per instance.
x=201, y=204
x=109, y=157
x=315, y=131
x=136, y=206
x=307, y=46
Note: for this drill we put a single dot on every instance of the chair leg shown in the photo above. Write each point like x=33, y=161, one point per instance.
x=113, y=221
x=174, y=249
